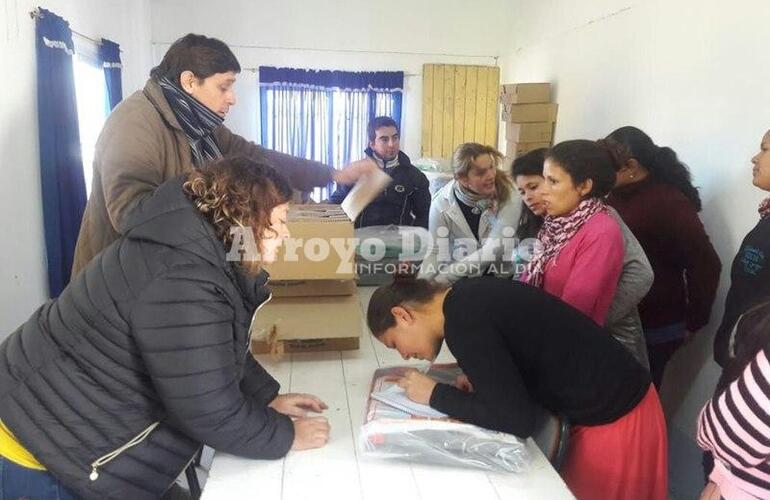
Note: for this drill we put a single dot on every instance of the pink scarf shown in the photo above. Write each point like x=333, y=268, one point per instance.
x=556, y=232
x=764, y=208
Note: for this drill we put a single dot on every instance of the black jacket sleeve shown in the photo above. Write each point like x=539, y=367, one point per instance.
x=421, y=201
x=339, y=194
x=184, y=330
x=500, y=401
x=257, y=383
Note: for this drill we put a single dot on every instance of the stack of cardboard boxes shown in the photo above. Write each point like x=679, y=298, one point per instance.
x=314, y=306
x=529, y=117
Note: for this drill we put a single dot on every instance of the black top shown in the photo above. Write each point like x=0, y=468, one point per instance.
x=471, y=217
x=750, y=284
x=522, y=347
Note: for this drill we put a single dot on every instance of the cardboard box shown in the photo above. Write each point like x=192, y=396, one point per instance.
x=321, y=245
x=307, y=324
x=529, y=132
x=524, y=93
x=312, y=288
x=527, y=113
x=516, y=149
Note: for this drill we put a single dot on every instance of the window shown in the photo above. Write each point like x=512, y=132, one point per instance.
x=93, y=107
x=322, y=115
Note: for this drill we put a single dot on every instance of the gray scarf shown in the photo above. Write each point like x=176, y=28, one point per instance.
x=385, y=165
x=477, y=202
x=197, y=121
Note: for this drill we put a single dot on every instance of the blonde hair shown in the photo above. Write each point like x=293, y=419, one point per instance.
x=462, y=163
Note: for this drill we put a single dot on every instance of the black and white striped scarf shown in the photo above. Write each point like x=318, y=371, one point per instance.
x=197, y=121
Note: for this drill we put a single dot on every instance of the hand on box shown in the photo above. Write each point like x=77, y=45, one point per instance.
x=418, y=386
x=297, y=405
x=354, y=171
x=311, y=432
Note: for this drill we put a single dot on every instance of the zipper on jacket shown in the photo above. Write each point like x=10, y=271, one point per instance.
x=254, y=317
x=403, y=209
x=105, y=459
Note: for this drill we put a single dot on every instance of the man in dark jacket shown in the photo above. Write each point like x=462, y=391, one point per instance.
x=406, y=200
x=114, y=385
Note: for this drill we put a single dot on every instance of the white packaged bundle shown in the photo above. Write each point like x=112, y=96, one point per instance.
x=395, y=427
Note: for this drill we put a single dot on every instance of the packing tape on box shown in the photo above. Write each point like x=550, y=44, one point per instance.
x=276, y=346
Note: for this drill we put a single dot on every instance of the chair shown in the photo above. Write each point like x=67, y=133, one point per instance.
x=552, y=435
x=192, y=476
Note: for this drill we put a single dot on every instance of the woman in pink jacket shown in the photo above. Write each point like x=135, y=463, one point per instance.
x=582, y=254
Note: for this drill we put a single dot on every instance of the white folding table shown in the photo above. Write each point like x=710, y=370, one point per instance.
x=338, y=471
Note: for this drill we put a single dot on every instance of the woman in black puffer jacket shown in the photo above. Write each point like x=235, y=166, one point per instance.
x=109, y=390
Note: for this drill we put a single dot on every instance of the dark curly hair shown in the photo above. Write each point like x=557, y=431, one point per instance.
x=237, y=192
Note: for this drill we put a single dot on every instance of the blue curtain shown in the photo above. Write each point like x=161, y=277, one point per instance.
x=109, y=56
x=61, y=166
x=322, y=115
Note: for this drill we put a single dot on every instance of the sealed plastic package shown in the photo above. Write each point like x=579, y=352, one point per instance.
x=397, y=428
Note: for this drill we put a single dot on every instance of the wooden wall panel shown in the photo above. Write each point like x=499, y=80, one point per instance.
x=492, y=120
x=459, y=105
x=459, y=118
x=427, y=109
x=470, y=104
x=437, y=131
x=449, y=109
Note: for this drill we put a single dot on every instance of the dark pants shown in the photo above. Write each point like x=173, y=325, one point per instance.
x=659, y=355
x=17, y=482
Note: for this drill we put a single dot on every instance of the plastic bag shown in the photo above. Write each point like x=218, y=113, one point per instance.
x=391, y=433
x=391, y=239
x=382, y=248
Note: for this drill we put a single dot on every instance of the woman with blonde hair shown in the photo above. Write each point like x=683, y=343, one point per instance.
x=109, y=390
x=469, y=215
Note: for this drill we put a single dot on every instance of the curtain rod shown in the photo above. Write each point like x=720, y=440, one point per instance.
x=357, y=51
x=256, y=70
x=34, y=14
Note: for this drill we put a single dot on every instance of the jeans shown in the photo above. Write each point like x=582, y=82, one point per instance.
x=659, y=356
x=21, y=483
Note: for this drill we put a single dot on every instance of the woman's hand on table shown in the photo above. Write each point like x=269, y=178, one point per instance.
x=297, y=405
x=310, y=432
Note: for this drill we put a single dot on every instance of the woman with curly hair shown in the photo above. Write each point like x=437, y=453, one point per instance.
x=109, y=390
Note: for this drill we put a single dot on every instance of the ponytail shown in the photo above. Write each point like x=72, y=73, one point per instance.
x=662, y=162
x=405, y=289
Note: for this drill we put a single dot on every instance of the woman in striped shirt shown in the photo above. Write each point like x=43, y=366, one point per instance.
x=734, y=426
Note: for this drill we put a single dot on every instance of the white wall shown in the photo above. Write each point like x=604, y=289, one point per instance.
x=352, y=35
x=693, y=75
x=23, y=285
